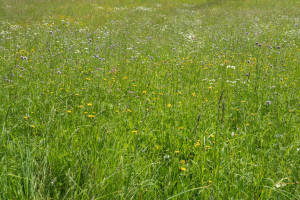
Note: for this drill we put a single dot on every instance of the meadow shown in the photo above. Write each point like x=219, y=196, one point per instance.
x=183, y=99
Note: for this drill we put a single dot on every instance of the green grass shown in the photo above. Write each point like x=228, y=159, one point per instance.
x=149, y=99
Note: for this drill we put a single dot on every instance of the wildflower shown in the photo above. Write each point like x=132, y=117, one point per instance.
x=210, y=181
x=89, y=104
x=290, y=111
x=128, y=110
x=237, y=110
x=268, y=103
x=212, y=136
x=243, y=101
x=180, y=128
x=156, y=146
x=25, y=117
x=194, y=94
x=183, y=169
x=32, y=126
x=269, y=123
x=69, y=111
x=247, y=124
x=144, y=92
x=177, y=151
x=169, y=105
x=91, y=116
x=182, y=162
x=117, y=111
x=207, y=146
x=230, y=67
x=135, y=131
x=85, y=112
x=76, y=94
x=81, y=106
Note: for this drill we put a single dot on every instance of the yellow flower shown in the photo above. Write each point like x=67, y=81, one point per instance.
x=183, y=169
x=177, y=151
x=88, y=79
x=89, y=104
x=69, y=111
x=144, y=92
x=207, y=146
x=210, y=181
x=117, y=111
x=212, y=136
x=181, y=128
x=128, y=110
x=25, y=117
x=182, y=161
x=169, y=106
x=85, y=112
x=76, y=94
x=135, y=131
x=194, y=94
x=32, y=126
x=156, y=146
x=269, y=123
x=237, y=109
x=81, y=106
x=247, y=124
x=91, y=116
x=243, y=101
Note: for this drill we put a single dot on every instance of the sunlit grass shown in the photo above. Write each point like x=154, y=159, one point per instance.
x=149, y=100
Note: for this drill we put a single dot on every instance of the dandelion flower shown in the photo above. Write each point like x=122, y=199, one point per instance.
x=69, y=111
x=91, y=116
x=183, y=169
x=135, y=131
x=169, y=105
x=89, y=104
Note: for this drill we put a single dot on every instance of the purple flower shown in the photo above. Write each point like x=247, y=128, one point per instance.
x=58, y=72
x=268, y=103
x=278, y=47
